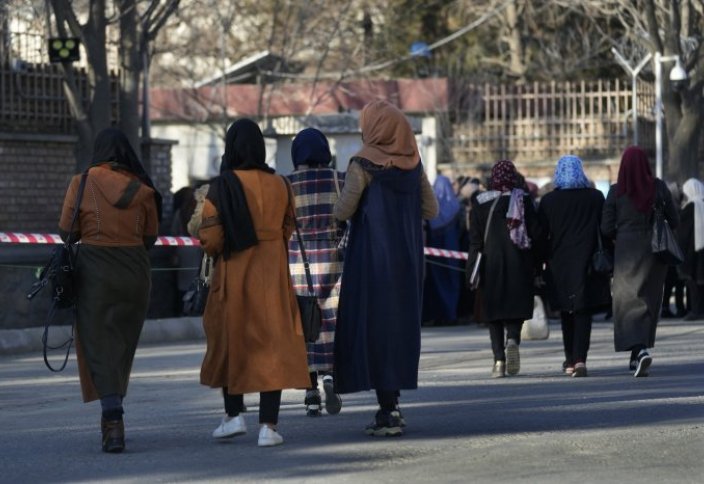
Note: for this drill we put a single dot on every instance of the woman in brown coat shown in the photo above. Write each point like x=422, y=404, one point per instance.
x=118, y=220
x=251, y=320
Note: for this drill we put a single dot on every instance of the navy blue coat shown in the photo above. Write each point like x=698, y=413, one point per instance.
x=377, y=339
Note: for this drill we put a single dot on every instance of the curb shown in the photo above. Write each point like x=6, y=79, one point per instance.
x=14, y=341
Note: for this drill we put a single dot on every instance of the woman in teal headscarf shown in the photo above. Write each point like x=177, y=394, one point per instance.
x=570, y=216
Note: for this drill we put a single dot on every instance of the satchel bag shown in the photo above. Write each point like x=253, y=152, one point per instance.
x=474, y=276
x=308, y=305
x=58, y=274
x=195, y=298
x=602, y=260
x=664, y=244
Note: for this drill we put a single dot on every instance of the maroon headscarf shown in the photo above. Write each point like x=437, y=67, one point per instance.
x=504, y=176
x=636, y=180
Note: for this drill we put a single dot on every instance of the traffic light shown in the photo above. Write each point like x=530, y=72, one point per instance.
x=64, y=49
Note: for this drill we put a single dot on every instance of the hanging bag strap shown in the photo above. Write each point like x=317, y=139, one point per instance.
x=488, y=220
x=52, y=310
x=306, y=264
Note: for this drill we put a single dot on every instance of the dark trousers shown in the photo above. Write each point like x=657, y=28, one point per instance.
x=673, y=283
x=269, y=404
x=576, y=333
x=512, y=328
x=695, y=296
x=388, y=399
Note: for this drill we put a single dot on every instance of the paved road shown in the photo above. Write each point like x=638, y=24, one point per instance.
x=537, y=427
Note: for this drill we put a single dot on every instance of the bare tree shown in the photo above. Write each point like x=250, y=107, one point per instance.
x=135, y=31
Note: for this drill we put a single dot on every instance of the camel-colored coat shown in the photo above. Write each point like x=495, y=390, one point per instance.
x=252, y=323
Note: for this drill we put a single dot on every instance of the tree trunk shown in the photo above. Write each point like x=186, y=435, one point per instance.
x=683, y=150
x=131, y=68
x=517, y=66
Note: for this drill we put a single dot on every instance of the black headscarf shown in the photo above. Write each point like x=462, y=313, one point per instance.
x=244, y=150
x=112, y=146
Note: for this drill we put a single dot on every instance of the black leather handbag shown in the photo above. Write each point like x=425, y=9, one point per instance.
x=664, y=244
x=195, y=298
x=308, y=305
x=58, y=274
x=602, y=260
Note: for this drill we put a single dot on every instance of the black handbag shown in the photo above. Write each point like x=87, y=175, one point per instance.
x=602, y=260
x=58, y=274
x=308, y=305
x=195, y=298
x=664, y=244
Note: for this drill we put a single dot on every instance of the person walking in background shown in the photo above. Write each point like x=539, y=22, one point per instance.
x=638, y=275
x=691, y=238
x=186, y=259
x=254, y=336
x=505, y=218
x=316, y=187
x=387, y=195
x=468, y=188
x=441, y=293
x=570, y=218
x=118, y=221
x=673, y=280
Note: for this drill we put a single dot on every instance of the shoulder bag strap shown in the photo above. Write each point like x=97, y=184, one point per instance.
x=488, y=220
x=337, y=182
x=306, y=264
x=77, y=205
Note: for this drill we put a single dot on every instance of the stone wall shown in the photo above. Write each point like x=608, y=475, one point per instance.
x=36, y=170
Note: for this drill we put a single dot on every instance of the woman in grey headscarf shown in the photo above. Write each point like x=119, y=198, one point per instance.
x=691, y=238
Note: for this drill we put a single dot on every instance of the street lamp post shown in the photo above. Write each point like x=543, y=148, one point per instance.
x=678, y=76
x=634, y=86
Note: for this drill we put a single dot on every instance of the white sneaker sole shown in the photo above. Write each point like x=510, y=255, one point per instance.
x=269, y=443
x=513, y=360
x=643, y=365
x=333, y=402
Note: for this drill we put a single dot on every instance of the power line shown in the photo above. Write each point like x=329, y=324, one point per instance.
x=398, y=60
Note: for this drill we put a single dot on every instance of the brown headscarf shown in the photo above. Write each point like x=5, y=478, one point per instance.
x=387, y=137
x=636, y=180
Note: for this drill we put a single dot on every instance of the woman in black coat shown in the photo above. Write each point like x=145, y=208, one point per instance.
x=691, y=237
x=569, y=217
x=639, y=276
x=508, y=264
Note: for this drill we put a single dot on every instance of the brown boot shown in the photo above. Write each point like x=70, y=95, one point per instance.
x=113, y=435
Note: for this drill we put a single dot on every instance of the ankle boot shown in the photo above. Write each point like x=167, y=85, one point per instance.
x=113, y=435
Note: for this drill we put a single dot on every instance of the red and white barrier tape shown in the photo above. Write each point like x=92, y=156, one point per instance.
x=22, y=238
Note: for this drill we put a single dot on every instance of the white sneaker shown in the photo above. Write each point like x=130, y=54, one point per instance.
x=269, y=437
x=513, y=357
x=643, y=363
x=229, y=427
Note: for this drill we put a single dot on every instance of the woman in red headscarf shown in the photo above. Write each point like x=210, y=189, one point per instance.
x=639, y=276
x=504, y=227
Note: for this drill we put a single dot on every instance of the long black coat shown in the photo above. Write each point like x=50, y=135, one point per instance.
x=639, y=276
x=693, y=266
x=570, y=222
x=507, y=272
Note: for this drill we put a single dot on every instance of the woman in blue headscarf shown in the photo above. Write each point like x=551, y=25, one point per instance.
x=570, y=216
x=317, y=187
x=442, y=284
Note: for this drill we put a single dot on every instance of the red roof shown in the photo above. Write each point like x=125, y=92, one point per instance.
x=201, y=104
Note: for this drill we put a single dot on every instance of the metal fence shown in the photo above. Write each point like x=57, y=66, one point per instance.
x=541, y=121
x=32, y=98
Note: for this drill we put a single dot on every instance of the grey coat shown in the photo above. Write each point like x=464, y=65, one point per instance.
x=638, y=276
